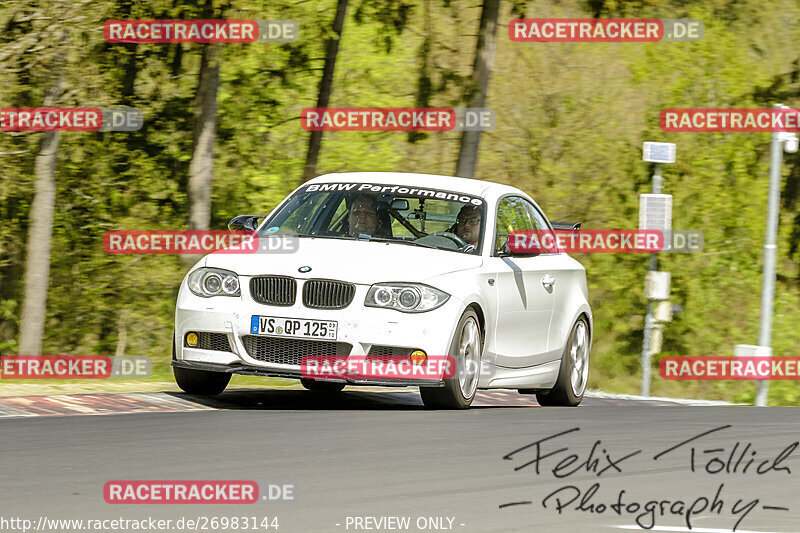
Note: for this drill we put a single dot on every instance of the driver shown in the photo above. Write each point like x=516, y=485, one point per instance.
x=363, y=217
x=468, y=224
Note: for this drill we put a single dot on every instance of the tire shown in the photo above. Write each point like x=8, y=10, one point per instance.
x=466, y=348
x=573, y=372
x=321, y=386
x=200, y=382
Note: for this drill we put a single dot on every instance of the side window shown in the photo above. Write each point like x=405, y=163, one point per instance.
x=538, y=219
x=512, y=215
x=539, y=222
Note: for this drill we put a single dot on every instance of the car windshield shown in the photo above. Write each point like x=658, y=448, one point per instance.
x=432, y=218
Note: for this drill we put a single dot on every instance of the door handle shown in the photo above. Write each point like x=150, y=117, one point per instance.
x=548, y=281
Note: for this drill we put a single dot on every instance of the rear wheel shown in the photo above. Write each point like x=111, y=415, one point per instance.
x=321, y=386
x=574, y=371
x=466, y=348
x=200, y=382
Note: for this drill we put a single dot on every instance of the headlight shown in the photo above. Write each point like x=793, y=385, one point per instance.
x=383, y=296
x=407, y=297
x=208, y=282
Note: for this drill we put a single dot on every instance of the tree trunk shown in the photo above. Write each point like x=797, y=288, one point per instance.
x=325, y=86
x=40, y=230
x=37, y=260
x=424, y=82
x=481, y=72
x=202, y=166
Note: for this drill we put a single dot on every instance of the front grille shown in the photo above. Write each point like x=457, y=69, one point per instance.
x=211, y=341
x=290, y=351
x=324, y=294
x=379, y=350
x=273, y=290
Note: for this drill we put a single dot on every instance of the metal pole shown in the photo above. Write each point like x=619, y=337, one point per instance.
x=649, y=319
x=770, y=252
x=657, y=179
x=646, y=361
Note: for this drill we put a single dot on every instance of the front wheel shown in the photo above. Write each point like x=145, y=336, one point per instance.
x=466, y=348
x=200, y=382
x=574, y=370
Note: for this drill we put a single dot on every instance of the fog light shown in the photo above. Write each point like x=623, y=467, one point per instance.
x=191, y=339
x=418, y=357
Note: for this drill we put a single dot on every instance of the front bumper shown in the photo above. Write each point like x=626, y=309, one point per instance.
x=246, y=370
x=360, y=327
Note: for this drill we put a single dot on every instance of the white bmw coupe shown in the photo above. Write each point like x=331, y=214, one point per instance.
x=391, y=265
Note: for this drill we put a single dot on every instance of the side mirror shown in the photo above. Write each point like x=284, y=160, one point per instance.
x=569, y=226
x=501, y=246
x=401, y=204
x=245, y=222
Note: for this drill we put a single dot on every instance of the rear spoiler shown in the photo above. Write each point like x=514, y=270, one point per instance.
x=575, y=226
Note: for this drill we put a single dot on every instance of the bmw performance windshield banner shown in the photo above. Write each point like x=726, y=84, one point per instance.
x=399, y=190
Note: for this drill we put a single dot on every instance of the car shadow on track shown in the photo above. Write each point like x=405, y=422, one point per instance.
x=400, y=400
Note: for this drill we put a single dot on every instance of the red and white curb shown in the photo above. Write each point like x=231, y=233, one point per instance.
x=94, y=404
x=159, y=402
x=661, y=400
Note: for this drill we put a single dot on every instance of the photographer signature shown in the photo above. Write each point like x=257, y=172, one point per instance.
x=552, y=455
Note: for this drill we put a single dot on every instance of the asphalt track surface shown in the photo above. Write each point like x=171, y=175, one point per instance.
x=381, y=454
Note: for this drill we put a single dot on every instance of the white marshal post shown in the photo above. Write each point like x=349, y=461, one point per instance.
x=655, y=213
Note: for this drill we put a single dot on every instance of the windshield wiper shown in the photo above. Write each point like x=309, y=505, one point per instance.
x=401, y=241
x=306, y=236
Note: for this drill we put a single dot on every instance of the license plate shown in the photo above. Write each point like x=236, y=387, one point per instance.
x=293, y=327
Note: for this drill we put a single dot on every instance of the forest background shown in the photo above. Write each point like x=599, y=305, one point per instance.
x=570, y=122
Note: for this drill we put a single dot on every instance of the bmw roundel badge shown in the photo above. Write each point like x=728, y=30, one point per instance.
x=304, y=269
